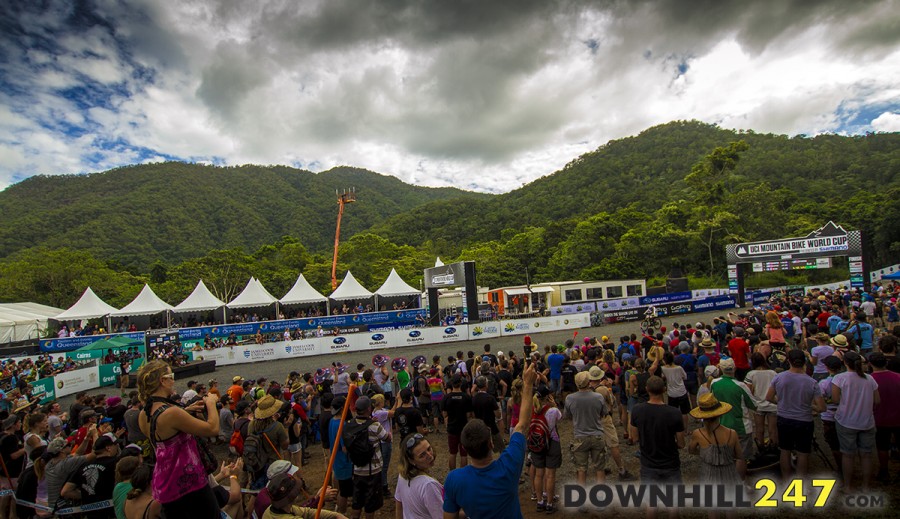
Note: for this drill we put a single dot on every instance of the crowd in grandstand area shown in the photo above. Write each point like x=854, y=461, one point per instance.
x=737, y=392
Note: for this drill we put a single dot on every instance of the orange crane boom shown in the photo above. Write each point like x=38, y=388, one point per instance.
x=347, y=197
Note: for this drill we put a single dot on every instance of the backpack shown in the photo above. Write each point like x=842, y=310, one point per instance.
x=492, y=384
x=254, y=457
x=417, y=391
x=356, y=440
x=788, y=325
x=624, y=348
x=538, y=439
x=237, y=442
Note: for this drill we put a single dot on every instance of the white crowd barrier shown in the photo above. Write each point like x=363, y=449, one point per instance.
x=389, y=339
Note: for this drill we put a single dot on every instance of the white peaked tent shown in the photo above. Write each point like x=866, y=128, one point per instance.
x=438, y=262
x=254, y=294
x=24, y=321
x=200, y=300
x=302, y=292
x=395, y=286
x=350, y=289
x=146, y=303
x=88, y=307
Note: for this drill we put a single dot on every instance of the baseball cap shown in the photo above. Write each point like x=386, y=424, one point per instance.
x=103, y=442
x=281, y=467
x=727, y=366
x=710, y=371
x=543, y=391
x=363, y=404
x=57, y=445
x=500, y=354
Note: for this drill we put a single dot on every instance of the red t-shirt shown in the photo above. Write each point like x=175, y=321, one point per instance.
x=822, y=320
x=740, y=352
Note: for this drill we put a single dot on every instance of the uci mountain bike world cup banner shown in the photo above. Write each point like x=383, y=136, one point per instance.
x=827, y=241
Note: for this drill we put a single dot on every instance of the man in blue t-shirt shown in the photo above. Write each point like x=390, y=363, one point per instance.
x=487, y=488
x=555, y=362
x=863, y=332
x=343, y=469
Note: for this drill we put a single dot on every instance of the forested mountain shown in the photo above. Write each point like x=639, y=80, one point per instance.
x=174, y=211
x=673, y=195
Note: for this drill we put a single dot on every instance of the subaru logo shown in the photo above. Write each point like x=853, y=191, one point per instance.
x=247, y=354
x=415, y=333
x=377, y=337
x=450, y=331
x=339, y=340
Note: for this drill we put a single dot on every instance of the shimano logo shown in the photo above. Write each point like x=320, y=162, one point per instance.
x=415, y=333
x=339, y=340
x=378, y=337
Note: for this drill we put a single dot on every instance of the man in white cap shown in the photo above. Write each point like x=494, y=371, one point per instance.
x=587, y=410
x=264, y=498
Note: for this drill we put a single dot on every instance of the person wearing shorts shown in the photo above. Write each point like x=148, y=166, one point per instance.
x=587, y=409
x=856, y=395
x=456, y=407
x=546, y=462
x=797, y=396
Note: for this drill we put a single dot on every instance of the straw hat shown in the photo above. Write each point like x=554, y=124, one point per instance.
x=595, y=373
x=708, y=406
x=839, y=341
x=266, y=407
x=707, y=343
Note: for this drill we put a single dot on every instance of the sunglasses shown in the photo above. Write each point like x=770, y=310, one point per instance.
x=413, y=440
x=169, y=375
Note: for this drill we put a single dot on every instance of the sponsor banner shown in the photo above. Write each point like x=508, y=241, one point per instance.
x=109, y=374
x=440, y=334
x=259, y=352
x=485, y=330
x=342, y=343
x=618, y=304
x=573, y=309
x=382, y=339
x=684, y=307
x=543, y=324
x=81, y=356
x=223, y=356
x=828, y=240
x=450, y=275
x=412, y=337
x=665, y=298
x=876, y=275
x=45, y=389
x=708, y=292
x=625, y=314
x=73, y=343
x=298, y=348
x=714, y=303
x=71, y=382
x=342, y=322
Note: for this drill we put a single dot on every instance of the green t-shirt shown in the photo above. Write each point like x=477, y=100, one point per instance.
x=120, y=494
x=403, y=379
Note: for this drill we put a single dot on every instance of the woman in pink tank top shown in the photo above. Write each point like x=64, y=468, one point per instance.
x=180, y=481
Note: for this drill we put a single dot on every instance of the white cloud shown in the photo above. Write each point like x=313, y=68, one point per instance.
x=484, y=96
x=887, y=122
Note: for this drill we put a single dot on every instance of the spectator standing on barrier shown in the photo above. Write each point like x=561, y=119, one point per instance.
x=487, y=488
x=179, y=477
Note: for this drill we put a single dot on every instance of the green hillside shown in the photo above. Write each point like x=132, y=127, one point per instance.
x=173, y=211
x=672, y=196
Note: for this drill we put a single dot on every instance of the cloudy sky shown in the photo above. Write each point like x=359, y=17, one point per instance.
x=484, y=95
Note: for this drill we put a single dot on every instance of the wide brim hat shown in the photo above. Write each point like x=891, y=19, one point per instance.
x=398, y=364
x=418, y=360
x=380, y=360
x=595, y=373
x=708, y=406
x=266, y=407
x=707, y=343
x=339, y=368
x=320, y=375
x=296, y=387
x=839, y=341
